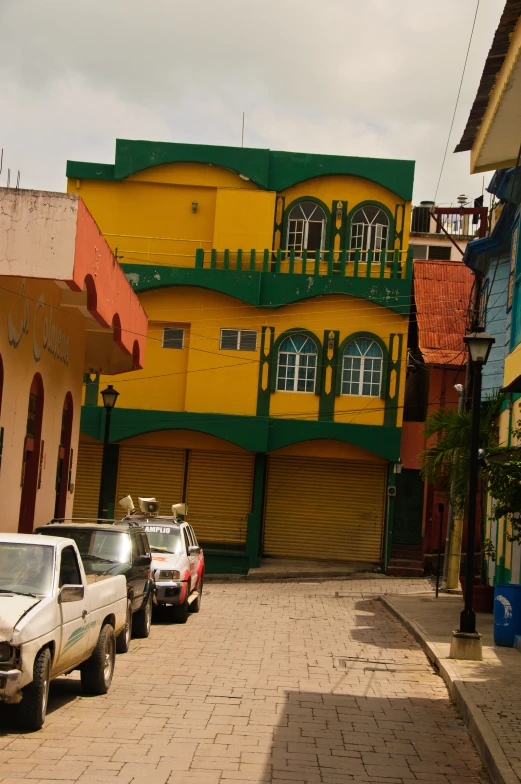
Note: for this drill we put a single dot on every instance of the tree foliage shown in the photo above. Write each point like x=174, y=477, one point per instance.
x=445, y=463
x=504, y=484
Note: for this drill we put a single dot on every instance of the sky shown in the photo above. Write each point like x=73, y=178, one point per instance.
x=372, y=78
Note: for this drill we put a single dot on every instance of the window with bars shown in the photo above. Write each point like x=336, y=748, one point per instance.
x=297, y=366
x=369, y=229
x=173, y=337
x=306, y=227
x=238, y=340
x=362, y=368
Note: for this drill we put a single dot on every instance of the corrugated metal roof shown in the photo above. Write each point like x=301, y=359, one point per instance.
x=493, y=64
x=442, y=295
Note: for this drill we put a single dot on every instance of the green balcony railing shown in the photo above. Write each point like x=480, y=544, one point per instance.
x=393, y=264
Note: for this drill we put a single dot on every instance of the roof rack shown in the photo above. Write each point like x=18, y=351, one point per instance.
x=97, y=520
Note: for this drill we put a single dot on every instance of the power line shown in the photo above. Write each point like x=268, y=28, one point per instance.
x=457, y=99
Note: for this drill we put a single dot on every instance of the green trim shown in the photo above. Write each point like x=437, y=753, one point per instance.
x=385, y=352
x=372, y=203
x=90, y=171
x=326, y=410
x=285, y=219
x=338, y=231
x=272, y=170
x=264, y=395
x=389, y=518
x=277, y=230
x=391, y=403
x=272, y=289
x=399, y=210
x=91, y=389
x=254, y=531
x=216, y=562
x=274, y=358
x=255, y=434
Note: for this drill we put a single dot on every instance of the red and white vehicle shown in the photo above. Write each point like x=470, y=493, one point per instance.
x=177, y=558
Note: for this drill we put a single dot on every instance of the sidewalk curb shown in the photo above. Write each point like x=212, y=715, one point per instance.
x=480, y=730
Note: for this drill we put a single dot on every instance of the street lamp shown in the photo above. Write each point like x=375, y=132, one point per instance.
x=109, y=395
x=479, y=345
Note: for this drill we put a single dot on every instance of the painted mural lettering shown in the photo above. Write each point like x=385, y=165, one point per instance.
x=47, y=335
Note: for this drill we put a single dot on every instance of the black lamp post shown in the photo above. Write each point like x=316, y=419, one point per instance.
x=479, y=345
x=109, y=395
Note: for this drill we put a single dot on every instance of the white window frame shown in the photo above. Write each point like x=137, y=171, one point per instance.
x=298, y=365
x=174, y=348
x=370, y=233
x=239, y=333
x=301, y=233
x=363, y=359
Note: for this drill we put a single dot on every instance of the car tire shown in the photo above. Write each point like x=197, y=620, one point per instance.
x=97, y=671
x=195, y=605
x=33, y=707
x=180, y=611
x=142, y=620
x=124, y=637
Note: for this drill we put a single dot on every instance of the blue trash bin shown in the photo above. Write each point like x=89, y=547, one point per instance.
x=507, y=614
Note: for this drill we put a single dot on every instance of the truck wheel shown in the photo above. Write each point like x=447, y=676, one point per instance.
x=195, y=605
x=124, y=637
x=143, y=619
x=33, y=707
x=97, y=672
x=180, y=611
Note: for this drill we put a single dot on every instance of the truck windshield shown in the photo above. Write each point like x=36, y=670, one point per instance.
x=103, y=547
x=26, y=568
x=164, y=539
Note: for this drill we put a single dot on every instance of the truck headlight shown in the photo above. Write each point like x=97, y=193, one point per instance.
x=167, y=574
x=6, y=652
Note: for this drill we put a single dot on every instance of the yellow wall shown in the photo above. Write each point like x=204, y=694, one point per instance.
x=19, y=351
x=244, y=219
x=203, y=378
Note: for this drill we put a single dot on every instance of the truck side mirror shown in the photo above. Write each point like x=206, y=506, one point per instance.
x=71, y=593
x=143, y=560
x=193, y=550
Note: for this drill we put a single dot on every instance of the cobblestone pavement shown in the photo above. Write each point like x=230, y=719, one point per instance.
x=281, y=682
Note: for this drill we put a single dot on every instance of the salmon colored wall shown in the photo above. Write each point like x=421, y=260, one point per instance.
x=19, y=350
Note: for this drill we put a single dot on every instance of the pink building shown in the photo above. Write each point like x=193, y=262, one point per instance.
x=66, y=309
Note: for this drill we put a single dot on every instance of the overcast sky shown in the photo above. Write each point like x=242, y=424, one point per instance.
x=348, y=77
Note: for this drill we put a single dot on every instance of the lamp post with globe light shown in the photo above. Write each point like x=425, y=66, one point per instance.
x=109, y=395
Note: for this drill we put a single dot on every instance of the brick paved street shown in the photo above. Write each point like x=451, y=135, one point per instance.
x=282, y=682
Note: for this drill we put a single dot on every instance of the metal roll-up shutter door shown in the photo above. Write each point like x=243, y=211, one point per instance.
x=324, y=509
x=151, y=472
x=220, y=486
x=86, y=484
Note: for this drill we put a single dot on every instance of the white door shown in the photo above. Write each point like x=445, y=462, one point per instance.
x=74, y=615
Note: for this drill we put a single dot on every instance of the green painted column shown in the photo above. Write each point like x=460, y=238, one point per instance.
x=254, y=532
x=389, y=516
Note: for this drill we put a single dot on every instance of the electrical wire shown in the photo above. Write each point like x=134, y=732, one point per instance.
x=457, y=99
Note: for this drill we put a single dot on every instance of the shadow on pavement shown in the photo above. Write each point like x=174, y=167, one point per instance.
x=338, y=738
x=62, y=692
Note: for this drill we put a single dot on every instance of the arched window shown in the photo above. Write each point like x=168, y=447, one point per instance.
x=306, y=227
x=297, y=368
x=362, y=367
x=369, y=228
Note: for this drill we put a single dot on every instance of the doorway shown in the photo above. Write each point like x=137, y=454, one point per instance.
x=32, y=456
x=63, y=467
x=408, y=508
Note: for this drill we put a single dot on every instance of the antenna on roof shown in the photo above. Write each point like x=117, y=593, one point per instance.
x=8, y=177
x=18, y=179
x=242, y=135
x=1, y=160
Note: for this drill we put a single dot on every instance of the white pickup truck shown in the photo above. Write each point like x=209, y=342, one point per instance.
x=53, y=619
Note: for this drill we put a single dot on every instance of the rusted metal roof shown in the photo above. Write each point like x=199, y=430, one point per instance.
x=442, y=296
x=493, y=64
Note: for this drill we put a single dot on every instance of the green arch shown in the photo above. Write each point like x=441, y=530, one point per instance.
x=372, y=203
x=323, y=205
x=385, y=357
x=274, y=357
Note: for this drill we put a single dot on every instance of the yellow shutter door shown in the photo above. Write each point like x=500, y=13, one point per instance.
x=324, y=509
x=151, y=472
x=86, y=484
x=220, y=486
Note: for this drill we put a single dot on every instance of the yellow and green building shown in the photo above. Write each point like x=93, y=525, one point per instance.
x=277, y=287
